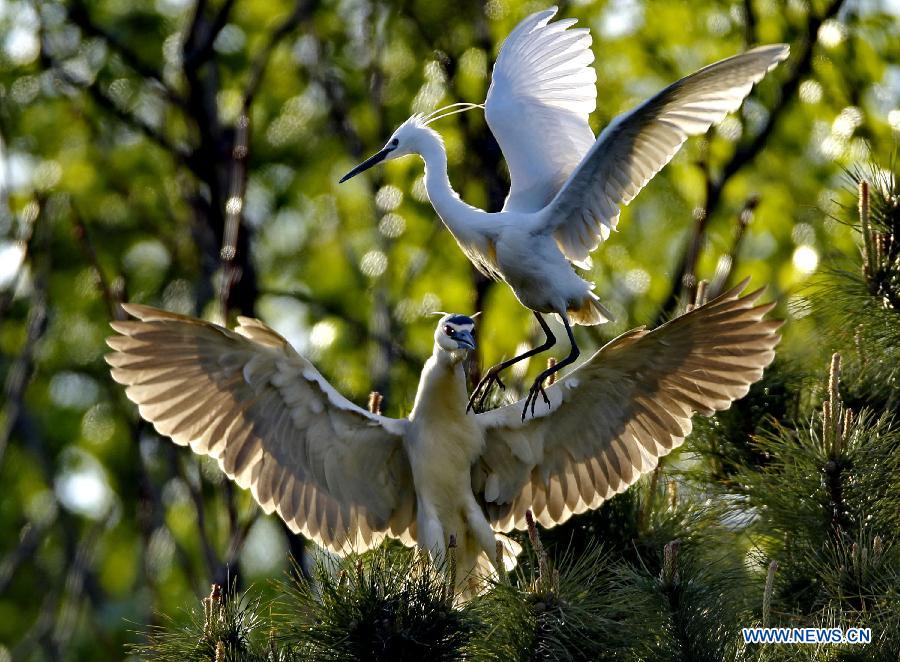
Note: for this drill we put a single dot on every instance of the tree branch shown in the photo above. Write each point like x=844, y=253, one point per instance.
x=22, y=369
x=28, y=219
x=105, y=102
x=178, y=467
x=112, y=295
x=80, y=16
x=30, y=538
x=728, y=262
x=234, y=207
x=302, y=10
x=750, y=23
x=202, y=33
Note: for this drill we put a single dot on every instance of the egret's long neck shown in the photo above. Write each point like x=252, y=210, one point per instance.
x=442, y=387
x=462, y=219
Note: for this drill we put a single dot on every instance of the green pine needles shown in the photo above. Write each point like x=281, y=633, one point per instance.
x=229, y=627
x=859, y=304
x=390, y=604
x=549, y=609
x=824, y=504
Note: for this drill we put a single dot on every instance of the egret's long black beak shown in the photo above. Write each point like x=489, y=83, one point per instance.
x=368, y=163
x=464, y=339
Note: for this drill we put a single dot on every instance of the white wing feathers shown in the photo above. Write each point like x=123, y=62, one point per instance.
x=612, y=418
x=272, y=422
x=637, y=144
x=542, y=91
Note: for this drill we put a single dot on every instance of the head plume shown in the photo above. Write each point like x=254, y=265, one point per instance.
x=447, y=111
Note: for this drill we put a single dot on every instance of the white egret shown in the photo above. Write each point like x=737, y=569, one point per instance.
x=566, y=187
x=347, y=478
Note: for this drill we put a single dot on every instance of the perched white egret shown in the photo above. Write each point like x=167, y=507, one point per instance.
x=347, y=478
x=566, y=187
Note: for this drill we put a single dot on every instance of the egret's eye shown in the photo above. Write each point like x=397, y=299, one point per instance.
x=395, y=142
x=449, y=330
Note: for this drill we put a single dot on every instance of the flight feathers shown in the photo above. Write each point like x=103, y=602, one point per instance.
x=630, y=404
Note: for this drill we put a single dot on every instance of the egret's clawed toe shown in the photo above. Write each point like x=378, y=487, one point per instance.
x=483, y=390
x=537, y=387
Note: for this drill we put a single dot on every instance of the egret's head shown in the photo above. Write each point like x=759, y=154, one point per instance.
x=454, y=333
x=408, y=138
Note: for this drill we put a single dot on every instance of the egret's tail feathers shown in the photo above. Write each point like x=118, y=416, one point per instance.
x=591, y=312
x=474, y=576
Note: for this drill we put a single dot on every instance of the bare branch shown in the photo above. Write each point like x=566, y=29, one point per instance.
x=112, y=294
x=49, y=62
x=214, y=155
x=30, y=538
x=22, y=369
x=132, y=120
x=28, y=220
x=801, y=69
x=196, y=493
x=234, y=206
x=202, y=91
x=728, y=262
x=202, y=33
x=77, y=581
x=239, y=537
x=80, y=16
x=301, y=11
x=749, y=24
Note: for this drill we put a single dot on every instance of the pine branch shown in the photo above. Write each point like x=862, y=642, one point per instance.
x=858, y=307
x=549, y=609
x=389, y=604
x=231, y=626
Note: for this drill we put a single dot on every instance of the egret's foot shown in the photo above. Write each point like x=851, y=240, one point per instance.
x=484, y=388
x=537, y=387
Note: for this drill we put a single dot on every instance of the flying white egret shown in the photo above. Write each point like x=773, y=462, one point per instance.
x=347, y=478
x=566, y=187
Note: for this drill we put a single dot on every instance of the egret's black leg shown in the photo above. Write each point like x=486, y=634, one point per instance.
x=538, y=386
x=481, y=392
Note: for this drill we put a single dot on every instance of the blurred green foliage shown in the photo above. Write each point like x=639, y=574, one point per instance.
x=117, y=125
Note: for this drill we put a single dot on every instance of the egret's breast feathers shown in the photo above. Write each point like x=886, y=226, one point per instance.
x=483, y=257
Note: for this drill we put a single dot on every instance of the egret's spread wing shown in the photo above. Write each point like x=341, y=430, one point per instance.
x=636, y=145
x=542, y=91
x=332, y=471
x=612, y=418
